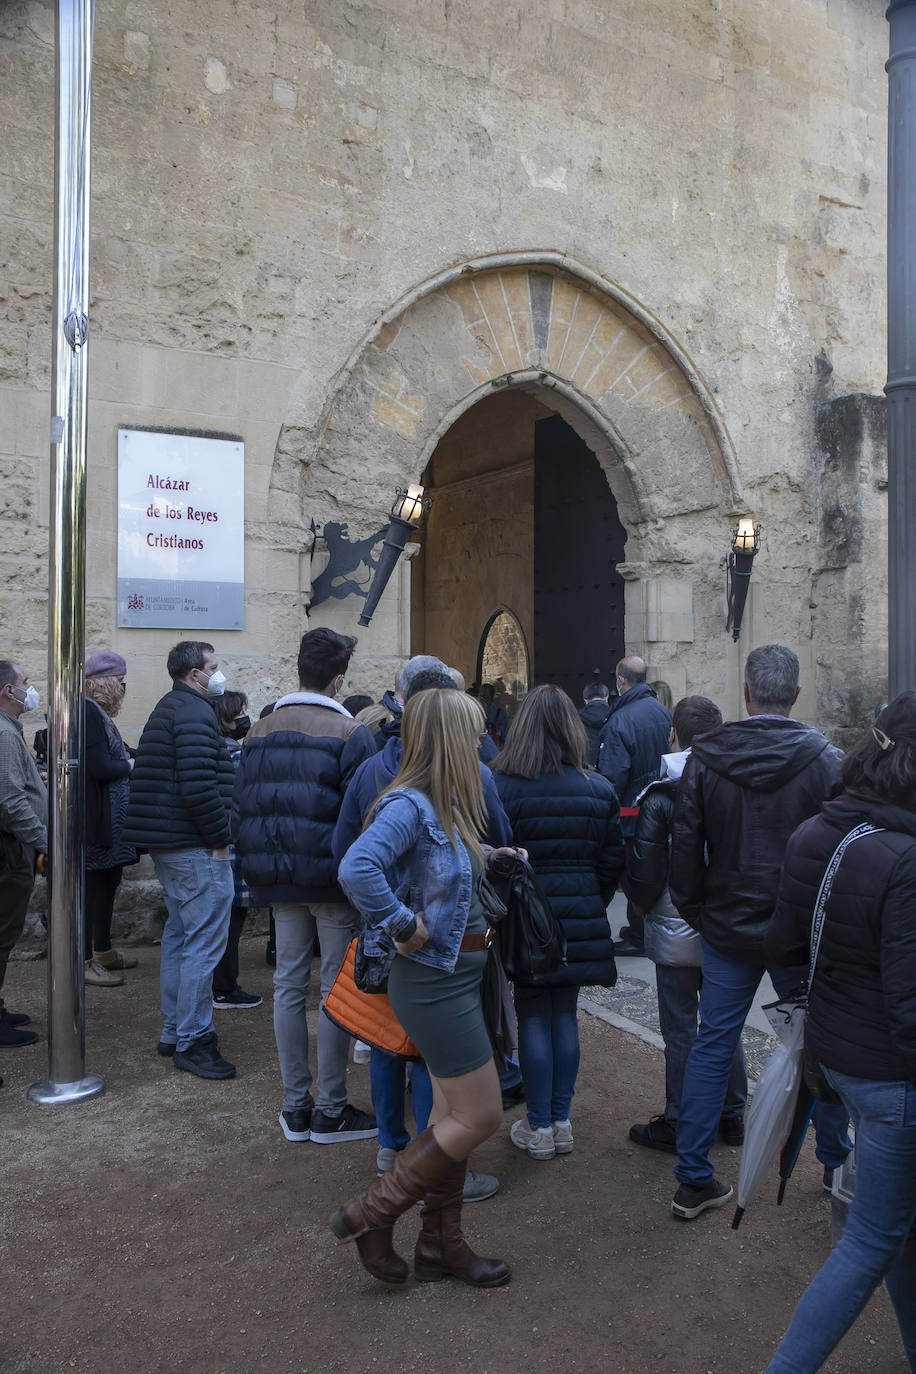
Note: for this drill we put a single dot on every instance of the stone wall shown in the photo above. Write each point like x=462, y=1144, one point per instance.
x=297, y=210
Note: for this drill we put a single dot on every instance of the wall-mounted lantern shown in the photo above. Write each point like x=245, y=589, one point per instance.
x=739, y=564
x=407, y=510
x=346, y=555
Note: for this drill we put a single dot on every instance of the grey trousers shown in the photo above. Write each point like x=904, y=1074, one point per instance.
x=297, y=924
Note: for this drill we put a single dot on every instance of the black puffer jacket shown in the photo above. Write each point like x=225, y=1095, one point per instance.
x=745, y=788
x=862, y=1017
x=569, y=824
x=182, y=780
x=295, y=767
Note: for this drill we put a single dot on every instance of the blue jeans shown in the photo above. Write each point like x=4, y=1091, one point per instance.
x=548, y=1050
x=678, y=987
x=198, y=895
x=388, y=1080
x=296, y=925
x=725, y=1000
x=879, y=1239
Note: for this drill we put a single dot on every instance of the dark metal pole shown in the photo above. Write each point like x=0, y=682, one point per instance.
x=67, y=1080
x=901, y=346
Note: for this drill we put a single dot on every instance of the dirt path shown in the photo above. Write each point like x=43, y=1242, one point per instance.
x=168, y=1225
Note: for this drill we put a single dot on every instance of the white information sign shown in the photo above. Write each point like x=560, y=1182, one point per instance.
x=181, y=531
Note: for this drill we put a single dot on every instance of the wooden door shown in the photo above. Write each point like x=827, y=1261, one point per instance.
x=578, y=542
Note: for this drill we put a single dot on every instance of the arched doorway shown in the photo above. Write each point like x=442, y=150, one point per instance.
x=523, y=518
x=503, y=661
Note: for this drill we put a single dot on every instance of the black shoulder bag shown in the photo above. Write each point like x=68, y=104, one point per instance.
x=531, y=942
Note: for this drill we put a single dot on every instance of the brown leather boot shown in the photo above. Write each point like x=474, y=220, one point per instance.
x=369, y=1219
x=441, y=1247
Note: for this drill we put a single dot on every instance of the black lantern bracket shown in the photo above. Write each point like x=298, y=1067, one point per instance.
x=739, y=564
x=346, y=556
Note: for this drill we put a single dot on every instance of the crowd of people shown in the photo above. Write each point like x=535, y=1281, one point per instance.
x=383, y=818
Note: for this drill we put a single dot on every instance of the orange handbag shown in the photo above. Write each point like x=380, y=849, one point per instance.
x=367, y=1015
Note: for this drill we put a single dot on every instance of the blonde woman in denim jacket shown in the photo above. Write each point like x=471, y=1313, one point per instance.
x=414, y=876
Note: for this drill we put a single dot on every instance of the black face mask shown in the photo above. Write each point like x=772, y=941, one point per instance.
x=241, y=727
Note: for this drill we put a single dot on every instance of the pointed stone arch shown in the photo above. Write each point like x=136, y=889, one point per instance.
x=544, y=323
x=590, y=352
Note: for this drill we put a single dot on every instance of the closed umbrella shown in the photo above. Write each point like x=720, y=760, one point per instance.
x=804, y=1111
x=772, y=1110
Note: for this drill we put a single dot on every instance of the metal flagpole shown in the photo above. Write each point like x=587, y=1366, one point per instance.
x=67, y=1080
x=901, y=347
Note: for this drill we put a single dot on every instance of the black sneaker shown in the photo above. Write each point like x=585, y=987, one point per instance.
x=731, y=1129
x=657, y=1134
x=14, y=1018
x=237, y=998
x=690, y=1202
x=202, y=1057
x=629, y=947
x=11, y=1037
x=350, y=1125
x=296, y=1122
x=166, y=1048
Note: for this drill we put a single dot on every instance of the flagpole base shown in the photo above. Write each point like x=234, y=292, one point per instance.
x=48, y=1094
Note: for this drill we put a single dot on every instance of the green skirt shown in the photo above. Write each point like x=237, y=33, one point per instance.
x=442, y=1013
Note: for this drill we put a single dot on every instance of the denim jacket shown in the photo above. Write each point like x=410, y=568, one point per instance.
x=404, y=865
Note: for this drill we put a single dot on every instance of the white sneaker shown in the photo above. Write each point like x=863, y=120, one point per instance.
x=362, y=1052
x=562, y=1136
x=384, y=1159
x=538, y=1143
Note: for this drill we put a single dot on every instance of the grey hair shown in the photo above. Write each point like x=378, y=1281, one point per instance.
x=420, y=663
x=771, y=676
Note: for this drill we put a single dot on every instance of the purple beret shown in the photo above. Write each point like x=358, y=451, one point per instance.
x=106, y=664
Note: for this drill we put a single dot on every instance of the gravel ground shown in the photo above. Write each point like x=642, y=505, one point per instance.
x=169, y=1225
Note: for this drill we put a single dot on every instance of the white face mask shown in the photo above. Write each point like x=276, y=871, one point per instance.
x=216, y=684
x=32, y=700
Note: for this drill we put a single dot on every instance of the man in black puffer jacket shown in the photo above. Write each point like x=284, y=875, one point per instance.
x=295, y=766
x=179, y=810
x=745, y=788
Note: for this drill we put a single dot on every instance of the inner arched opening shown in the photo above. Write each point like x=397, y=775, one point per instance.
x=523, y=521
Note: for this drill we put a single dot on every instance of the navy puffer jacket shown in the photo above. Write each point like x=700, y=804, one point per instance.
x=633, y=741
x=569, y=823
x=862, y=1004
x=181, y=785
x=295, y=766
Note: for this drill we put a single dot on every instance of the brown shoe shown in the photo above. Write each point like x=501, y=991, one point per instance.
x=441, y=1247
x=369, y=1220
x=116, y=959
x=100, y=976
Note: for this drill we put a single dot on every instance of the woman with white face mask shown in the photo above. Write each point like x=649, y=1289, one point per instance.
x=108, y=767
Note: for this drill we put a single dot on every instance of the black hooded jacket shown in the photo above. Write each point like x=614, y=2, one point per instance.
x=862, y=1004
x=594, y=716
x=745, y=788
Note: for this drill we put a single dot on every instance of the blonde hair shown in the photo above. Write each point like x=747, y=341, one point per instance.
x=373, y=716
x=439, y=731
x=106, y=692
